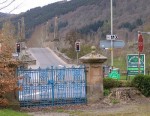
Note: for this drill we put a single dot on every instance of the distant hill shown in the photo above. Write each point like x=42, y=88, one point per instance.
x=41, y=15
x=88, y=17
x=4, y=15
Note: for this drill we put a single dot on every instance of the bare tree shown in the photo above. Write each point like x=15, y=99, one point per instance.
x=72, y=36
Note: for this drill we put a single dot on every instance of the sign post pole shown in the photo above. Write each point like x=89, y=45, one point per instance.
x=140, y=49
x=139, y=62
x=138, y=54
x=111, y=5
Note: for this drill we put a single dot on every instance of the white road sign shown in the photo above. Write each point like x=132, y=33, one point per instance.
x=111, y=37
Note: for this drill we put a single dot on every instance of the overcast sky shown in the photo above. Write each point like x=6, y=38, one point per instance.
x=22, y=5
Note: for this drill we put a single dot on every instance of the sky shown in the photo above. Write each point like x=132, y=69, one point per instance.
x=19, y=6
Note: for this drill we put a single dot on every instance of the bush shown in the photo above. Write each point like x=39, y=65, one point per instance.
x=142, y=82
x=137, y=81
x=111, y=83
x=125, y=83
x=106, y=92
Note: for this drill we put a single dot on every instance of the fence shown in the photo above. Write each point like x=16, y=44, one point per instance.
x=52, y=86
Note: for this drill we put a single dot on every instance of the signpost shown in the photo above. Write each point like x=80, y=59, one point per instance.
x=140, y=49
x=133, y=64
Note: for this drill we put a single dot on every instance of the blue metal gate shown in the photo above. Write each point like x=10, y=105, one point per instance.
x=52, y=86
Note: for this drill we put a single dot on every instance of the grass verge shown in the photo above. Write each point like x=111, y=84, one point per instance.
x=8, y=112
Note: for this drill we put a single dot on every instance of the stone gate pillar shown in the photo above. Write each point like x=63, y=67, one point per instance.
x=93, y=63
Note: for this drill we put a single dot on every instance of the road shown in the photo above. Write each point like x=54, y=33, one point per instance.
x=45, y=57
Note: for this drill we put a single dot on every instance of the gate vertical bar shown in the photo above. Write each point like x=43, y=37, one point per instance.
x=18, y=84
x=85, y=70
x=52, y=74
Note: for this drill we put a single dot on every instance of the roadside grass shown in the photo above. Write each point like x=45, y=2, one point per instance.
x=123, y=77
x=8, y=112
x=120, y=63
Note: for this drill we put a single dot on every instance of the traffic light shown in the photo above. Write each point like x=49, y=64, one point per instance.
x=18, y=47
x=77, y=46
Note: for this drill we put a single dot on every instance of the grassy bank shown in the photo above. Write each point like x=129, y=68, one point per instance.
x=8, y=112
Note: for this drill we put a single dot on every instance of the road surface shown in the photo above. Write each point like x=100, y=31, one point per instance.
x=45, y=58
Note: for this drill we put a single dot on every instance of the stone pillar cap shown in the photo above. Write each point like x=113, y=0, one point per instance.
x=93, y=57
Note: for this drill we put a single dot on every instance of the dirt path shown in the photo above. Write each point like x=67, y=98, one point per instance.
x=97, y=110
x=135, y=106
x=48, y=114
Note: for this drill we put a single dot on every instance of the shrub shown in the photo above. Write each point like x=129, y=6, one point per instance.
x=142, y=82
x=137, y=81
x=106, y=92
x=125, y=83
x=8, y=84
x=111, y=83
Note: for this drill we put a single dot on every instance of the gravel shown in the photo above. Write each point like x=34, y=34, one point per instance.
x=47, y=114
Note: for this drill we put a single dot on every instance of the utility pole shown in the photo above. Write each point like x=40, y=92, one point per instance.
x=22, y=29
x=21, y=38
x=47, y=30
x=56, y=35
x=19, y=32
x=56, y=28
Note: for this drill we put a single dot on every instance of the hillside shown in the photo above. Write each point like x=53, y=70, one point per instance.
x=4, y=16
x=91, y=18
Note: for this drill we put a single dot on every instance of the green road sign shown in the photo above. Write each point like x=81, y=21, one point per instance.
x=114, y=74
x=132, y=64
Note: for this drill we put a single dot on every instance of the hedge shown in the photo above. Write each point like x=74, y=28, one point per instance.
x=111, y=83
x=142, y=82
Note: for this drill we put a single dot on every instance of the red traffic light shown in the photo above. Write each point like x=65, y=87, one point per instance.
x=18, y=47
x=77, y=46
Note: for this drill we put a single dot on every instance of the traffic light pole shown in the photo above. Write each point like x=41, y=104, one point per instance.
x=77, y=48
x=77, y=58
